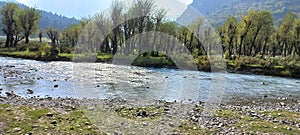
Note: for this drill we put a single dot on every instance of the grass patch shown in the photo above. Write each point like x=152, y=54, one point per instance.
x=284, y=115
x=227, y=114
x=253, y=125
x=258, y=126
x=193, y=129
x=137, y=113
x=22, y=120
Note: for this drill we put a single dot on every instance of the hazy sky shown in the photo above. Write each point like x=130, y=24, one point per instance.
x=85, y=8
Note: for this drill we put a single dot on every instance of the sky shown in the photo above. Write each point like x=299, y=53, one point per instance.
x=87, y=8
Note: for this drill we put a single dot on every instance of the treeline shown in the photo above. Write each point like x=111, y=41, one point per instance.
x=142, y=27
x=255, y=34
x=18, y=24
x=134, y=30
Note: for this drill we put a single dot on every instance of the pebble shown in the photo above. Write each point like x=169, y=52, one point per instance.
x=145, y=124
x=171, y=124
x=289, y=128
x=29, y=91
x=54, y=122
x=17, y=129
x=55, y=86
x=49, y=115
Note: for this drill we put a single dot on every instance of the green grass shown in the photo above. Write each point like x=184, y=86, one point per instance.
x=104, y=56
x=35, y=120
x=259, y=126
x=133, y=113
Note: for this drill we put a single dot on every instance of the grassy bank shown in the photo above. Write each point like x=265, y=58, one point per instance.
x=279, y=66
x=108, y=118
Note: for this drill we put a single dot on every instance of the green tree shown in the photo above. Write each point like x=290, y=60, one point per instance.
x=9, y=24
x=285, y=33
x=53, y=34
x=229, y=32
x=297, y=36
x=28, y=21
x=116, y=17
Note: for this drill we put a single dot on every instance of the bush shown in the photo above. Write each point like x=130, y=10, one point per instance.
x=32, y=46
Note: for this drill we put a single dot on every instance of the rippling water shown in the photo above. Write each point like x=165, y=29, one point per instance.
x=98, y=80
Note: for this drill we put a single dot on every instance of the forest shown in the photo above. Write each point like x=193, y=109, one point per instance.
x=250, y=42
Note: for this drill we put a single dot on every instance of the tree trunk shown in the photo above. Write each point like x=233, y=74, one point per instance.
x=7, y=42
x=27, y=40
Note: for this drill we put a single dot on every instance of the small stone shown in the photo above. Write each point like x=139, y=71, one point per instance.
x=171, y=124
x=145, y=124
x=49, y=114
x=55, y=86
x=9, y=94
x=87, y=123
x=54, y=122
x=17, y=129
x=282, y=104
x=289, y=128
x=8, y=109
x=29, y=91
x=142, y=114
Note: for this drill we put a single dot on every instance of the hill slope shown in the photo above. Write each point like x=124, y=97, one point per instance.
x=49, y=19
x=217, y=11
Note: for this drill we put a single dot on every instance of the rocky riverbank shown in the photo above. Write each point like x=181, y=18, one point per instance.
x=116, y=116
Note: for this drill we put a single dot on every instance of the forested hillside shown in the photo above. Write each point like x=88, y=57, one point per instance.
x=217, y=11
x=50, y=19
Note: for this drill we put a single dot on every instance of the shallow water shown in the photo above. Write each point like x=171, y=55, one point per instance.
x=98, y=80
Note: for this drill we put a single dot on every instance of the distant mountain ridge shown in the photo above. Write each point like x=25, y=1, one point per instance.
x=49, y=19
x=217, y=11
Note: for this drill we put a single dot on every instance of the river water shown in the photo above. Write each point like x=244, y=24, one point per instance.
x=99, y=80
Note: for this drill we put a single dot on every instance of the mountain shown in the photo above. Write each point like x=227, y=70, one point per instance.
x=50, y=19
x=217, y=11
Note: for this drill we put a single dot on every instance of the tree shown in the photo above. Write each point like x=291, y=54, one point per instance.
x=285, y=34
x=116, y=16
x=262, y=22
x=229, y=31
x=28, y=20
x=40, y=35
x=297, y=36
x=142, y=10
x=53, y=34
x=9, y=24
x=243, y=29
x=103, y=25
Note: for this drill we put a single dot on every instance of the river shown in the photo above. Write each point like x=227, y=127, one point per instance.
x=99, y=80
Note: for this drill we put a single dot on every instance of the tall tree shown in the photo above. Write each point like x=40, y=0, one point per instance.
x=142, y=10
x=53, y=34
x=9, y=24
x=28, y=20
x=116, y=16
x=104, y=26
x=285, y=34
x=229, y=30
